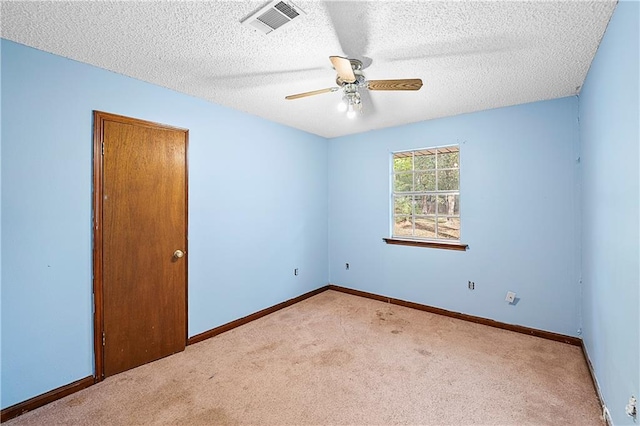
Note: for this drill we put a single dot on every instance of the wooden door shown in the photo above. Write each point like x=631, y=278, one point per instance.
x=141, y=202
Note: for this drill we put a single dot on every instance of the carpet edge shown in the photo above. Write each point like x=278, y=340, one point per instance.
x=252, y=317
x=592, y=374
x=45, y=398
x=549, y=335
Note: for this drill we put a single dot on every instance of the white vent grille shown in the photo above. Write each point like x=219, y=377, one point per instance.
x=272, y=16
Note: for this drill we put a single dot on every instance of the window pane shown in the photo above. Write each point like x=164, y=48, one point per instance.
x=425, y=204
x=425, y=181
x=448, y=180
x=448, y=205
x=449, y=160
x=402, y=205
x=401, y=164
x=426, y=227
x=425, y=196
x=403, y=182
x=425, y=162
x=402, y=226
x=449, y=228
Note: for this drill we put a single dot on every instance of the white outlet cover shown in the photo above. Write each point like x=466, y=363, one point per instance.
x=511, y=297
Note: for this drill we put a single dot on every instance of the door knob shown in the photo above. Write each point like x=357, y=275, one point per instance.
x=178, y=254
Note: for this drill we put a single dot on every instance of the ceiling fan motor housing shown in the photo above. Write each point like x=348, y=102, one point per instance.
x=356, y=65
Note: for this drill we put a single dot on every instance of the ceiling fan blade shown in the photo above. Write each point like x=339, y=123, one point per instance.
x=404, y=84
x=343, y=67
x=312, y=93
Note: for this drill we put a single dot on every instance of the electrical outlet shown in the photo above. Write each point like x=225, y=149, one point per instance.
x=511, y=297
x=632, y=408
x=472, y=285
x=295, y=272
x=346, y=266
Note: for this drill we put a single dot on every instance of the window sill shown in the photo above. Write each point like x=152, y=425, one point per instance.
x=432, y=244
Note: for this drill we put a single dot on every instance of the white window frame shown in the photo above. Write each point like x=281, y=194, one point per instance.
x=436, y=192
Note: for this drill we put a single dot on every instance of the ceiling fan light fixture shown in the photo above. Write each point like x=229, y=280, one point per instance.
x=351, y=101
x=342, y=106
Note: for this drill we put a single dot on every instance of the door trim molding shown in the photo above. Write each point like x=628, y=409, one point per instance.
x=99, y=119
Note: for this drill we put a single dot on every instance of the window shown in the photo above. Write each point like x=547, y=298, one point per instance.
x=426, y=194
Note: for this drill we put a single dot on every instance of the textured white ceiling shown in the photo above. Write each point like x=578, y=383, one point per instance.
x=471, y=56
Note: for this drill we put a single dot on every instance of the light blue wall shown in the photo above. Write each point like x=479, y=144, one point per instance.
x=609, y=138
x=257, y=210
x=519, y=211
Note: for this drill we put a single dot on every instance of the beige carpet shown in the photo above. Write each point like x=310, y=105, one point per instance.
x=342, y=359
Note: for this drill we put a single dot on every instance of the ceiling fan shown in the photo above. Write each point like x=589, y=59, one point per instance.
x=352, y=80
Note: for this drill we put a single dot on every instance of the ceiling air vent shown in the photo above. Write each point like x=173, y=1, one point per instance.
x=272, y=16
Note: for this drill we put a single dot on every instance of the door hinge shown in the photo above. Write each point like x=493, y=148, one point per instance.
x=103, y=338
x=102, y=148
